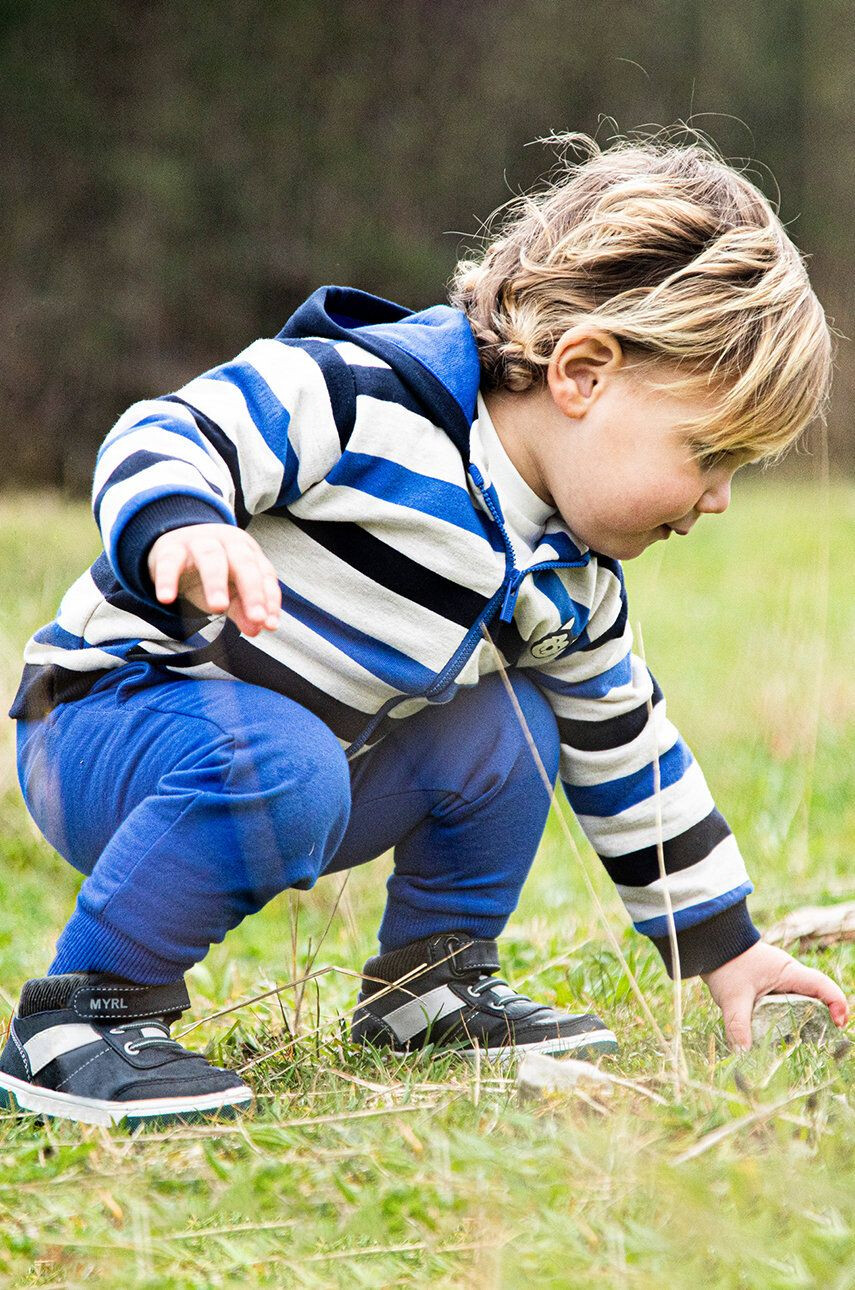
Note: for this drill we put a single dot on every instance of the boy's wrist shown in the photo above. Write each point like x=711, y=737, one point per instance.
x=706, y=946
x=145, y=527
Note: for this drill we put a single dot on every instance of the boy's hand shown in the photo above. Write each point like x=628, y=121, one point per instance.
x=220, y=569
x=766, y=969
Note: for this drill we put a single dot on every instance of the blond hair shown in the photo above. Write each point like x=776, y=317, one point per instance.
x=678, y=256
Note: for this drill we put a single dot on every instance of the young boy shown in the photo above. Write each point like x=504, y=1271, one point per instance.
x=319, y=557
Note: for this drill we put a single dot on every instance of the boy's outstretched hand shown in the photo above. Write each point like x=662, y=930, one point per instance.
x=220, y=569
x=766, y=969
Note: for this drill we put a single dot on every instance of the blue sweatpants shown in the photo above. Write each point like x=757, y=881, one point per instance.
x=190, y=804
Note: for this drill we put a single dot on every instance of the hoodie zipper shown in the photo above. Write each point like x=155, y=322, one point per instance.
x=506, y=596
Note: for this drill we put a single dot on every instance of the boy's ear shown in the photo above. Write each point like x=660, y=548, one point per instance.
x=582, y=362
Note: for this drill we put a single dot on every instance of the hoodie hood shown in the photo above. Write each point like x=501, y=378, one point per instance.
x=433, y=352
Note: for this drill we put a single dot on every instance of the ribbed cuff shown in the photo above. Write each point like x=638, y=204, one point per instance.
x=705, y=946
x=88, y=945
x=151, y=522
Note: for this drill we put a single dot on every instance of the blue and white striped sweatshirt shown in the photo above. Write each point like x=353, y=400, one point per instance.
x=343, y=447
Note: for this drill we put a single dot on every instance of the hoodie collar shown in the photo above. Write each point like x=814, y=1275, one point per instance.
x=433, y=352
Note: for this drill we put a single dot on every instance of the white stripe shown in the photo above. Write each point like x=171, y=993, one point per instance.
x=356, y=356
x=387, y=430
x=76, y=660
x=55, y=1041
x=587, y=769
x=260, y=470
x=299, y=385
x=683, y=803
x=166, y=443
x=342, y=591
x=455, y=553
x=417, y=1014
x=720, y=871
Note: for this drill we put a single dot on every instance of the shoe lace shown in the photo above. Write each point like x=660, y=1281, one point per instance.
x=501, y=994
x=152, y=1030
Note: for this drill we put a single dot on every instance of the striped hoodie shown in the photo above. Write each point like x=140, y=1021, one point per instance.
x=343, y=447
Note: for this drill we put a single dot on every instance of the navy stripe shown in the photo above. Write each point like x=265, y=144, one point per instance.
x=339, y=380
x=394, y=570
x=236, y=655
x=178, y=623
x=226, y=448
x=599, y=736
x=140, y=460
x=383, y=384
x=612, y=633
x=42, y=688
x=640, y=868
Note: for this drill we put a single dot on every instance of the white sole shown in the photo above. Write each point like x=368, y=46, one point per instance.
x=93, y=1110
x=604, y=1039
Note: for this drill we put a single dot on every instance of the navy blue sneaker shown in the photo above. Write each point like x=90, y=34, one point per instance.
x=93, y=1047
x=455, y=1001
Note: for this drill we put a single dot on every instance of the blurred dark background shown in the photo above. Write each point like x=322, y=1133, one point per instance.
x=177, y=176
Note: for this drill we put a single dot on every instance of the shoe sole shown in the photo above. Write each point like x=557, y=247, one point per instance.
x=591, y=1044
x=16, y=1094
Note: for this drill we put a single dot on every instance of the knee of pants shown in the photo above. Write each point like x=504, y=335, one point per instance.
x=540, y=722
x=284, y=795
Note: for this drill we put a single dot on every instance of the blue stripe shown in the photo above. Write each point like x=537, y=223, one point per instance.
x=564, y=548
x=619, y=794
x=382, y=660
x=57, y=637
x=270, y=417
x=685, y=918
x=53, y=634
x=550, y=584
x=596, y=687
x=175, y=425
x=391, y=482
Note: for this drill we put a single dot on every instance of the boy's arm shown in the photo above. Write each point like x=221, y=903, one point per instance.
x=632, y=781
x=250, y=435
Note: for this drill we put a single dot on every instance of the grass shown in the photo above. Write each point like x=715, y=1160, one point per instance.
x=427, y=1172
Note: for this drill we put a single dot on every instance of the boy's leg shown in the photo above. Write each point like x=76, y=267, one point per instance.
x=189, y=804
x=457, y=793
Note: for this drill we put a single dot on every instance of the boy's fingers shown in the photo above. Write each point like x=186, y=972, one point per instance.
x=212, y=565
x=804, y=980
x=168, y=567
x=737, y=1020
x=249, y=584
x=273, y=598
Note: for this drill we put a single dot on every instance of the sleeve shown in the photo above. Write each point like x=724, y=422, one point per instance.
x=616, y=743
x=246, y=437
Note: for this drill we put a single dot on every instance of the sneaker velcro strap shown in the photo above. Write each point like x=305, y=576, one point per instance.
x=104, y=1000
x=483, y=955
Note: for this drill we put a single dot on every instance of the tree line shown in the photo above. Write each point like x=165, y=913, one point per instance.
x=177, y=176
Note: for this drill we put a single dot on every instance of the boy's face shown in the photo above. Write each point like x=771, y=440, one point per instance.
x=613, y=456
x=630, y=478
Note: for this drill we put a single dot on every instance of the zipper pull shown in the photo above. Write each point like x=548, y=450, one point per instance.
x=509, y=603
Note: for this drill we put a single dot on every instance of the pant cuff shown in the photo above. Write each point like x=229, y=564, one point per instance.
x=89, y=945
x=402, y=925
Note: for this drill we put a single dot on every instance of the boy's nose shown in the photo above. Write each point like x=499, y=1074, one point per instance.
x=716, y=499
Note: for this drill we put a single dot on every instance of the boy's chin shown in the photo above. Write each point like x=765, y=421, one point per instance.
x=623, y=548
